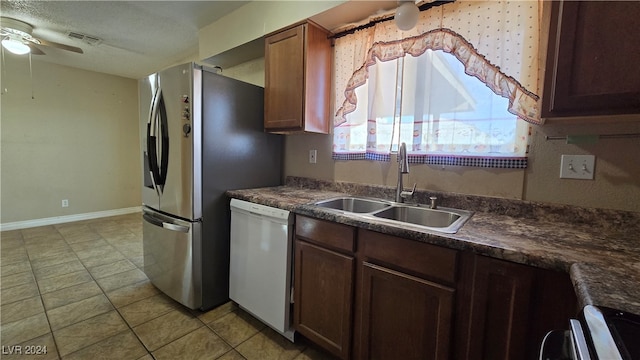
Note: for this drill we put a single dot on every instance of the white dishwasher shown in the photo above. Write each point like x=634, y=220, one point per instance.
x=260, y=265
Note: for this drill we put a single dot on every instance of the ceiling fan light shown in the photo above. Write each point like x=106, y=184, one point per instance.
x=15, y=46
x=406, y=16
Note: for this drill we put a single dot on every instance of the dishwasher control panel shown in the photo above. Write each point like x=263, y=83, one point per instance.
x=260, y=209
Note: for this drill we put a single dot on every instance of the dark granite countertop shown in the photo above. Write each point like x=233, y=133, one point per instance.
x=600, y=249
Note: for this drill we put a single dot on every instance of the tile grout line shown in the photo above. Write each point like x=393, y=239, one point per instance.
x=129, y=326
x=103, y=292
x=223, y=339
x=44, y=309
x=29, y=259
x=232, y=348
x=94, y=280
x=192, y=313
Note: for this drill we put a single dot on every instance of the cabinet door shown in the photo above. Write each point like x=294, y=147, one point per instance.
x=404, y=317
x=592, y=59
x=505, y=309
x=495, y=313
x=284, y=79
x=323, y=297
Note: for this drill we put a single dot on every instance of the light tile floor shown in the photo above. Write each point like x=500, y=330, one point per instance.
x=78, y=291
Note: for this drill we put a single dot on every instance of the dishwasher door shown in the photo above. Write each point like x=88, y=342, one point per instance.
x=260, y=263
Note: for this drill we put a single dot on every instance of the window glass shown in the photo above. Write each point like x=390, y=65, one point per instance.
x=432, y=105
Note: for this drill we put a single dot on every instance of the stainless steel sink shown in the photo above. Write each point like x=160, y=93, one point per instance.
x=442, y=219
x=354, y=204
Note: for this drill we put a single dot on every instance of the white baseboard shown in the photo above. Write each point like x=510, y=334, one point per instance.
x=68, y=218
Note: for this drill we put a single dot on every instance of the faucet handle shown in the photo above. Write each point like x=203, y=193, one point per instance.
x=406, y=194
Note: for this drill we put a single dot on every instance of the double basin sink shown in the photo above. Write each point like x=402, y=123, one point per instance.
x=445, y=220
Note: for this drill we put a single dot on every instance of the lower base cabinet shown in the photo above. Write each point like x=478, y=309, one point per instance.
x=323, y=284
x=360, y=294
x=505, y=309
x=403, y=316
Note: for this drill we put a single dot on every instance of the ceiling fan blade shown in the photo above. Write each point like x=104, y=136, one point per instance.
x=60, y=46
x=35, y=50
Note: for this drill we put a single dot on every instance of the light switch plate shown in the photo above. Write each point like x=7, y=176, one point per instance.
x=313, y=156
x=577, y=167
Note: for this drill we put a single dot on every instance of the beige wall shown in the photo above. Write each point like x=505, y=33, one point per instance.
x=466, y=180
x=254, y=20
x=76, y=140
x=617, y=173
x=251, y=71
x=616, y=184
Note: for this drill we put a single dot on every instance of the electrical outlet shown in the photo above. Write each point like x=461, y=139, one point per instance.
x=313, y=156
x=577, y=167
x=65, y=203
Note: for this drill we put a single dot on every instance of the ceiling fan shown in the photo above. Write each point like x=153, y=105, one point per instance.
x=16, y=38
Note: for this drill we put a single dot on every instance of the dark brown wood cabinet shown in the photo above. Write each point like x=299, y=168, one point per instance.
x=405, y=298
x=361, y=294
x=297, y=80
x=592, y=59
x=505, y=309
x=323, y=283
x=403, y=316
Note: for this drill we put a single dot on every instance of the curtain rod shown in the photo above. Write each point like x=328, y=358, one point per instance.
x=423, y=7
x=578, y=139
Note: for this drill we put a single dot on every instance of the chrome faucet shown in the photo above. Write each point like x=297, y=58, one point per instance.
x=403, y=168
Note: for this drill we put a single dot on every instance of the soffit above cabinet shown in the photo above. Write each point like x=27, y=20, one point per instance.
x=239, y=36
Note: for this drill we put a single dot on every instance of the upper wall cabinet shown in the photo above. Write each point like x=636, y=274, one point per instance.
x=297, y=80
x=592, y=59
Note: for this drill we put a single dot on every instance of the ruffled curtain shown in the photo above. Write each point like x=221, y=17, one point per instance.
x=392, y=86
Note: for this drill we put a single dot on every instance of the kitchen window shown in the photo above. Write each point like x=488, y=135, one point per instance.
x=452, y=102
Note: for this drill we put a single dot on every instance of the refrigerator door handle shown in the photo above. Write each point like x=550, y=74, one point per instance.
x=163, y=131
x=175, y=227
x=152, y=132
x=157, y=130
x=163, y=224
x=152, y=220
x=153, y=161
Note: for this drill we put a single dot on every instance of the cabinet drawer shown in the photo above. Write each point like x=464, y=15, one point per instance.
x=424, y=260
x=332, y=235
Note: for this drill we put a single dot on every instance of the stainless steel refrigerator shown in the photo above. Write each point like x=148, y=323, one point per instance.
x=202, y=134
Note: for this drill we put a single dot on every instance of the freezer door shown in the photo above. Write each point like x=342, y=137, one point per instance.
x=169, y=246
x=172, y=141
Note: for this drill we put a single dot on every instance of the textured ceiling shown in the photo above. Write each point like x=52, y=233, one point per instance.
x=138, y=37
x=142, y=37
